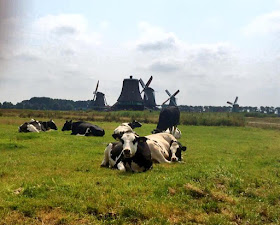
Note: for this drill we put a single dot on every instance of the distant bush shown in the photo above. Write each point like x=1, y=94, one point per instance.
x=212, y=119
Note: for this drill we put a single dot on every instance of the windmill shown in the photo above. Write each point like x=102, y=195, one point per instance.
x=235, y=106
x=99, y=100
x=172, y=98
x=130, y=97
x=149, y=94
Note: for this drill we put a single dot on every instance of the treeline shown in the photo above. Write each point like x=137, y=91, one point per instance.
x=44, y=103
x=245, y=109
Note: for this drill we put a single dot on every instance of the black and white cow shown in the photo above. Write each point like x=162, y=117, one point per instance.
x=37, y=126
x=169, y=117
x=165, y=148
x=48, y=125
x=174, y=131
x=83, y=128
x=125, y=128
x=132, y=153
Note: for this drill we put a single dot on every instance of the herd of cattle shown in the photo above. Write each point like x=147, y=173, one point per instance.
x=129, y=151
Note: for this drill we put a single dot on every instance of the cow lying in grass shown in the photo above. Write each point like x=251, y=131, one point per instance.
x=132, y=153
x=165, y=148
x=83, y=128
x=125, y=128
x=37, y=126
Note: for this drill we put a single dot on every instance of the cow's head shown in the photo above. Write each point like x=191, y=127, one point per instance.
x=135, y=124
x=67, y=125
x=130, y=142
x=51, y=125
x=175, y=151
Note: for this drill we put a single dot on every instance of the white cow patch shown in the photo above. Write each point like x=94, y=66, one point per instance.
x=175, y=132
x=32, y=128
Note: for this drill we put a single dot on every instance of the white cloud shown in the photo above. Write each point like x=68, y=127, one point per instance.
x=66, y=27
x=263, y=25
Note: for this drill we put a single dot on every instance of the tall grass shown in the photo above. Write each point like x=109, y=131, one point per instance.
x=213, y=119
x=196, y=119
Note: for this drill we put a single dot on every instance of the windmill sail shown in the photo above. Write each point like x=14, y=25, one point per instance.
x=171, y=98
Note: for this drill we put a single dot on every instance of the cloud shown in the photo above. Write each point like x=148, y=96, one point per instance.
x=51, y=22
x=152, y=39
x=26, y=57
x=168, y=43
x=65, y=30
x=164, y=67
x=165, y=52
x=263, y=25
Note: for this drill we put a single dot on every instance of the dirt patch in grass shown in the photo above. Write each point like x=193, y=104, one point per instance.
x=48, y=216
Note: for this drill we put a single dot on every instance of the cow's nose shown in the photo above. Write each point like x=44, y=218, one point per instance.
x=173, y=159
x=126, y=151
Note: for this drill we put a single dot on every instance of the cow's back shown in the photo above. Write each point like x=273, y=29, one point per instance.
x=87, y=129
x=168, y=117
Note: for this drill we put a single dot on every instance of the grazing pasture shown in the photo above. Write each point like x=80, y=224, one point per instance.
x=229, y=175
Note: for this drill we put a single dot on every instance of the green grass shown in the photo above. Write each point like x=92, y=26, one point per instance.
x=229, y=175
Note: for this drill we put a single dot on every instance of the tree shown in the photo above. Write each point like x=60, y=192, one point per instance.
x=7, y=105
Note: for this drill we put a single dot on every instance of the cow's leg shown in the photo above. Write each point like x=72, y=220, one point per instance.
x=121, y=167
x=105, y=162
x=157, y=155
x=160, y=158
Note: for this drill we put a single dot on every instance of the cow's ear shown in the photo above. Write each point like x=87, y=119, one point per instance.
x=142, y=139
x=184, y=148
x=116, y=137
x=70, y=121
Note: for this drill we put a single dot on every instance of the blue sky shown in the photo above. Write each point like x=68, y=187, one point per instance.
x=211, y=50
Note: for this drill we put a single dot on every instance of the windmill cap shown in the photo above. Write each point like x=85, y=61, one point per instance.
x=130, y=77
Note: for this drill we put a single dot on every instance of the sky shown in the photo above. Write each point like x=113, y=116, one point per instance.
x=211, y=50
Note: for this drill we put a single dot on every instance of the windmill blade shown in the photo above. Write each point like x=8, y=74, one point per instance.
x=236, y=100
x=105, y=101
x=175, y=93
x=149, y=81
x=171, y=96
x=96, y=87
x=145, y=85
x=229, y=103
x=142, y=83
x=168, y=92
x=165, y=101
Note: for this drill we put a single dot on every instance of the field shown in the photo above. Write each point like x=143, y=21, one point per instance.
x=229, y=175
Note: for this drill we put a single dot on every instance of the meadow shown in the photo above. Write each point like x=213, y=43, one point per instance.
x=229, y=175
